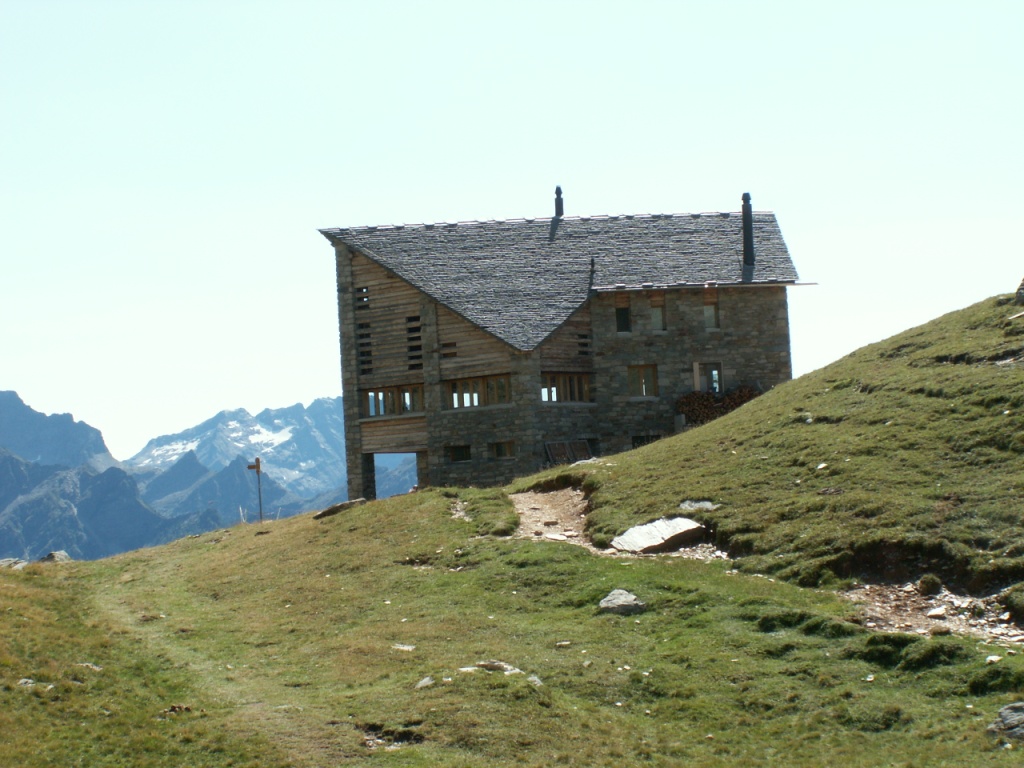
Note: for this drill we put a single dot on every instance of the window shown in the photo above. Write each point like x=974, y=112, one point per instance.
x=362, y=298
x=414, y=343
x=657, y=318
x=484, y=390
x=566, y=388
x=392, y=401
x=503, y=450
x=623, y=323
x=583, y=344
x=711, y=308
x=707, y=377
x=643, y=380
x=658, y=312
x=457, y=453
x=364, y=346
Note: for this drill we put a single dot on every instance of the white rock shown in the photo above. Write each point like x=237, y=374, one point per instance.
x=622, y=602
x=937, y=613
x=662, y=534
x=499, y=666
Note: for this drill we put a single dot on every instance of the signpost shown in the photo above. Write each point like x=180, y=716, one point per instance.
x=259, y=485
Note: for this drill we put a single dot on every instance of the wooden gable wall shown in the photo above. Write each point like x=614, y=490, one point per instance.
x=570, y=349
x=384, y=304
x=466, y=350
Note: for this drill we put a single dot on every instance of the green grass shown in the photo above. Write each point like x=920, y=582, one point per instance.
x=112, y=712
x=904, y=458
x=283, y=644
x=302, y=642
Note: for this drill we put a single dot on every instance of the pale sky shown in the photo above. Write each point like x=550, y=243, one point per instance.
x=164, y=167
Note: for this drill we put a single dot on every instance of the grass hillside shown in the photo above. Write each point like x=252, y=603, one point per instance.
x=344, y=641
x=905, y=457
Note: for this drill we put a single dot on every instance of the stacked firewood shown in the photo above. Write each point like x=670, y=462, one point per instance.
x=702, y=407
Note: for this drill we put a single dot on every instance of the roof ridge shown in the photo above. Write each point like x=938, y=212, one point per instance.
x=534, y=219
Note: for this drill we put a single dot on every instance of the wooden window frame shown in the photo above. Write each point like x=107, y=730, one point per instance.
x=712, y=316
x=502, y=450
x=703, y=377
x=393, y=401
x=567, y=388
x=659, y=322
x=478, y=391
x=642, y=380
x=458, y=454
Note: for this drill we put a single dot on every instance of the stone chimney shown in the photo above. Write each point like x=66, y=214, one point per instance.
x=1020, y=293
x=559, y=210
x=748, y=231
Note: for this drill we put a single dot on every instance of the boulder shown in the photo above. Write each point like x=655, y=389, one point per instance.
x=56, y=557
x=338, y=508
x=622, y=602
x=1010, y=722
x=665, y=534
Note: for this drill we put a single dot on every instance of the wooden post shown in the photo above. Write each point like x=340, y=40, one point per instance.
x=259, y=485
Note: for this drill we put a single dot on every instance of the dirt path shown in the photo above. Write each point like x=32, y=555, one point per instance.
x=553, y=516
x=562, y=515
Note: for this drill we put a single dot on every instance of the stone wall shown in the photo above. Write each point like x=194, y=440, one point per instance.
x=751, y=344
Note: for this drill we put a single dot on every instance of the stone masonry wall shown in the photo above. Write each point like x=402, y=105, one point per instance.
x=751, y=344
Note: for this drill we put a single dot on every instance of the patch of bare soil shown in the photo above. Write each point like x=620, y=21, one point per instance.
x=562, y=516
x=553, y=516
x=902, y=608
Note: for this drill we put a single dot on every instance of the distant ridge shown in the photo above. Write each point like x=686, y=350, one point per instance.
x=302, y=449
x=54, y=439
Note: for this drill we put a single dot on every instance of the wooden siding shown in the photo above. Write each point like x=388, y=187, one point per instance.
x=403, y=434
x=476, y=352
x=570, y=349
x=389, y=302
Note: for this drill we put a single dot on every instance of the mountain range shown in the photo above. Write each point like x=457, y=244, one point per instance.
x=60, y=488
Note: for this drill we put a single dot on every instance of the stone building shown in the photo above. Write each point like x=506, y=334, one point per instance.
x=490, y=349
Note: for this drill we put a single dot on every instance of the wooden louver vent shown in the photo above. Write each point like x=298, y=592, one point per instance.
x=583, y=344
x=414, y=342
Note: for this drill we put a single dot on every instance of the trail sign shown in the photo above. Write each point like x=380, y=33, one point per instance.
x=259, y=485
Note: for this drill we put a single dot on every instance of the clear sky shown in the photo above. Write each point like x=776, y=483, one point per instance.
x=164, y=167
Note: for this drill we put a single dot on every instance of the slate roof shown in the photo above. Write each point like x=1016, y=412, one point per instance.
x=521, y=279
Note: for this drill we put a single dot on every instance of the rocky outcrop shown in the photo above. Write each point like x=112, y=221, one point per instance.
x=335, y=509
x=1009, y=724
